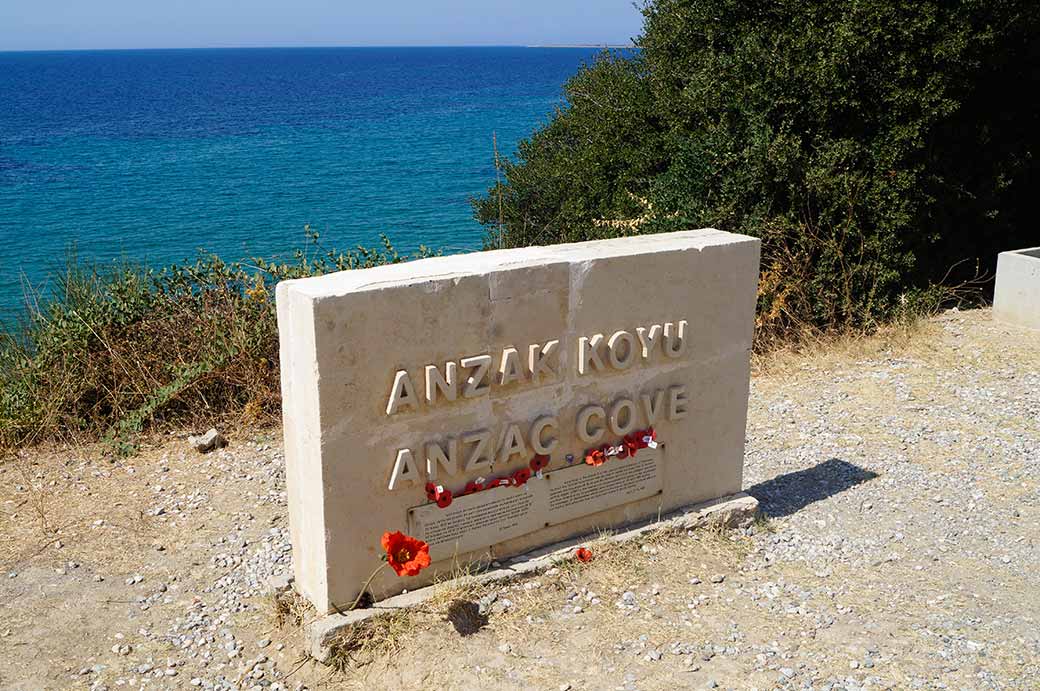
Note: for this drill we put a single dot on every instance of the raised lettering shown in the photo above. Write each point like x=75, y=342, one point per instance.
x=677, y=402
x=478, y=381
x=402, y=395
x=447, y=384
x=480, y=456
x=588, y=354
x=675, y=339
x=590, y=436
x=510, y=369
x=540, y=360
x=622, y=406
x=512, y=444
x=648, y=339
x=538, y=443
x=404, y=470
x=652, y=407
x=621, y=350
x=435, y=457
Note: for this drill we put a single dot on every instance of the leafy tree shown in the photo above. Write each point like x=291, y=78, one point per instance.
x=876, y=146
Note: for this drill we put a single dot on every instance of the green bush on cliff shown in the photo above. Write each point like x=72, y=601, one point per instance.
x=109, y=352
x=873, y=145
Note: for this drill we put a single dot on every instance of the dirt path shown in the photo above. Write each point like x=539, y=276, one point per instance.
x=902, y=485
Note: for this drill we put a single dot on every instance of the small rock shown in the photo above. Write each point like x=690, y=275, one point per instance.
x=505, y=648
x=501, y=605
x=208, y=441
x=280, y=584
x=718, y=578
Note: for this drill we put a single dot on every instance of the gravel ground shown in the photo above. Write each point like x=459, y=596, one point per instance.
x=901, y=551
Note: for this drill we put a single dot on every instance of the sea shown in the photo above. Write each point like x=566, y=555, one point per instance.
x=151, y=156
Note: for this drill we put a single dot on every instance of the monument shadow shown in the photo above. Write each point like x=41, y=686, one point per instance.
x=791, y=492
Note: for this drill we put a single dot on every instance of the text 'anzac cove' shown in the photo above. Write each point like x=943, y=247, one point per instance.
x=474, y=376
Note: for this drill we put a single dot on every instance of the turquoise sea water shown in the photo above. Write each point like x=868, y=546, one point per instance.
x=152, y=155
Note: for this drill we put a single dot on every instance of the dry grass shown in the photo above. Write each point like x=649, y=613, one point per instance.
x=827, y=350
x=109, y=352
x=377, y=638
x=660, y=556
x=51, y=498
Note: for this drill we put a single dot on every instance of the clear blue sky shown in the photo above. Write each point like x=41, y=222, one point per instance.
x=87, y=24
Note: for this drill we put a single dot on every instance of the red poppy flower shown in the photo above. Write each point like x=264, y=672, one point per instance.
x=583, y=555
x=406, y=555
x=444, y=498
x=431, y=491
x=631, y=445
x=595, y=457
x=539, y=462
x=521, y=476
x=472, y=487
x=648, y=435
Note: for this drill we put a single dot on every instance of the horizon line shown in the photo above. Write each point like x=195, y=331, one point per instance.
x=321, y=47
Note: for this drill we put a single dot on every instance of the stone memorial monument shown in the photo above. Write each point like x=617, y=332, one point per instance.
x=494, y=402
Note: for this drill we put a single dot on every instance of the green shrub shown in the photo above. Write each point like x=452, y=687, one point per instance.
x=110, y=352
x=873, y=145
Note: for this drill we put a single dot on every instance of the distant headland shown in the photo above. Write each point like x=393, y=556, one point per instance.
x=582, y=45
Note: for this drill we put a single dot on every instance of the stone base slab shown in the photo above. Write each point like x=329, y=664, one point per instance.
x=734, y=511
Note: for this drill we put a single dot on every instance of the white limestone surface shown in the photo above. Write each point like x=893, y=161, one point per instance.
x=462, y=369
x=1016, y=297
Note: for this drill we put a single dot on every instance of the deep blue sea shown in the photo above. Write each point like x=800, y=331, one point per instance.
x=152, y=155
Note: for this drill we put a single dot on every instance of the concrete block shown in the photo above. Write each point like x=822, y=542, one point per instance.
x=1016, y=298
x=465, y=368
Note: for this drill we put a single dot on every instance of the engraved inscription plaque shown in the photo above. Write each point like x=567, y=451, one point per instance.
x=483, y=519
x=580, y=491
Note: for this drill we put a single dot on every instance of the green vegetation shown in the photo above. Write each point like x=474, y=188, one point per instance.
x=883, y=150
x=110, y=352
